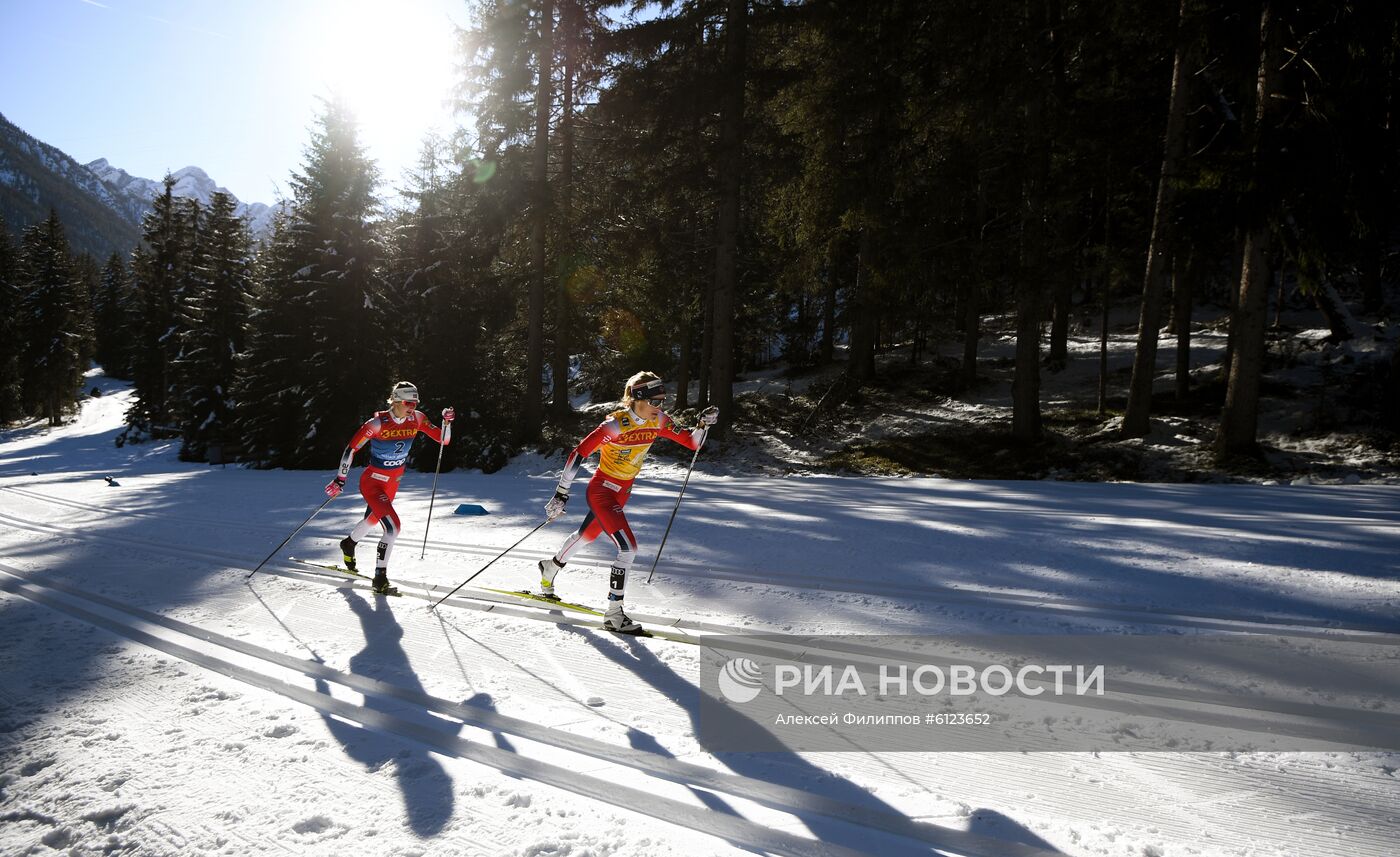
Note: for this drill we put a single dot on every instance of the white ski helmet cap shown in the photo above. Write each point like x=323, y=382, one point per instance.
x=404, y=392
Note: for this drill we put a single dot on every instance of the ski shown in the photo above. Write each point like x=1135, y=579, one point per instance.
x=640, y=632
x=525, y=593
x=326, y=566
x=329, y=566
x=526, y=599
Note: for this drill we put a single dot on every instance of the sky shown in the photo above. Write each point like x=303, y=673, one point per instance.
x=232, y=86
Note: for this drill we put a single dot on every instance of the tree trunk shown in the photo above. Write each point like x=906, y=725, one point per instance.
x=1025, y=383
x=972, y=323
x=1103, y=343
x=1136, y=421
x=1233, y=294
x=1183, y=282
x=1061, y=298
x=707, y=343
x=826, y=351
x=972, y=297
x=1239, y=420
x=1105, y=276
x=730, y=163
x=683, y=365
x=1340, y=323
x=559, y=369
x=862, y=315
x=531, y=411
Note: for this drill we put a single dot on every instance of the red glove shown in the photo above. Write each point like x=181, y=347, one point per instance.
x=335, y=487
x=448, y=415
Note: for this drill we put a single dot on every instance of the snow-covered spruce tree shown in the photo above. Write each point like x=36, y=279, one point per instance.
x=315, y=365
x=267, y=384
x=425, y=289
x=11, y=381
x=213, y=324
x=89, y=276
x=115, y=319
x=52, y=318
x=160, y=277
x=335, y=287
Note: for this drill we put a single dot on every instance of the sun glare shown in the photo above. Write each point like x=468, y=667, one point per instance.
x=393, y=65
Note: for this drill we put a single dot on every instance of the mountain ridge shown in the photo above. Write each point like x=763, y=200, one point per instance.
x=36, y=177
x=133, y=194
x=101, y=205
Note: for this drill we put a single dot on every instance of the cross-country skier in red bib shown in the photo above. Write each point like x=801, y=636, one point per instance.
x=390, y=436
x=622, y=441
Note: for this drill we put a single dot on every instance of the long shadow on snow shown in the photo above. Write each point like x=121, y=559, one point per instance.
x=1066, y=539
x=995, y=825
x=786, y=769
x=426, y=787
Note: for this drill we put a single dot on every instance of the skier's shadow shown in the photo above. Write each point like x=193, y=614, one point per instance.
x=789, y=769
x=426, y=787
x=995, y=825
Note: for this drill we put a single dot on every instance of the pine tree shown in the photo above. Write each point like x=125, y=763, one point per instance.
x=214, y=325
x=730, y=163
x=161, y=278
x=1239, y=418
x=430, y=291
x=338, y=284
x=1160, y=246
x=52, y=315
x=316, y=344
x=89, y=277
x=114, y=319
x=11, y=378
x=266, y=392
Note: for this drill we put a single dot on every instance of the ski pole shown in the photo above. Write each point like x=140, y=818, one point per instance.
x=289, y=538
x=431, y=500
x=489, y=564
x=675, y=510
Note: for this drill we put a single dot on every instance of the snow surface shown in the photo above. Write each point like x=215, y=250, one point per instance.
x=154, y=702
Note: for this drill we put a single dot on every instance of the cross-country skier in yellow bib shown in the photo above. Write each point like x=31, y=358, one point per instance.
x=622, y=442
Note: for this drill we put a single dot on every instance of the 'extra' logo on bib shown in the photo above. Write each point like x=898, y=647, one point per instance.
x=638, y=436
x=394, y=433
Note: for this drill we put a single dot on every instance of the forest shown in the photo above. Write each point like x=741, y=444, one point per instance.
x=707, y=188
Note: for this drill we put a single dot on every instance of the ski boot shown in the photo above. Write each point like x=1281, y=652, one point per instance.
x=548, y=569
x=347, y=553
x=381, y=585
x=618, y=622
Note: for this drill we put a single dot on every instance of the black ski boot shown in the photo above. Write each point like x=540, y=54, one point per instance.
x=347, y=553
x=381, y=585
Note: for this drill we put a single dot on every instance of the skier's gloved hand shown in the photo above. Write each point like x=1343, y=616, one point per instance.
x=555, y=507
x=335, y=487
x=709, y=416
x=448, y=415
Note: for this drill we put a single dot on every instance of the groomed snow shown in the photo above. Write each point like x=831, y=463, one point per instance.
x=154, y=702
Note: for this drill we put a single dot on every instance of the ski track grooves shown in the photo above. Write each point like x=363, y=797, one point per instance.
x=1311, y=720
x=1217, y=621
x=731, y=828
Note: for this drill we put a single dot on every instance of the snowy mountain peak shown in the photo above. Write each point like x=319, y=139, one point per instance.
x=133, y=194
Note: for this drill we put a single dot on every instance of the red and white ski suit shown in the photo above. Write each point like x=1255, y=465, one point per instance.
x=389, y=440
x=622, y=442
